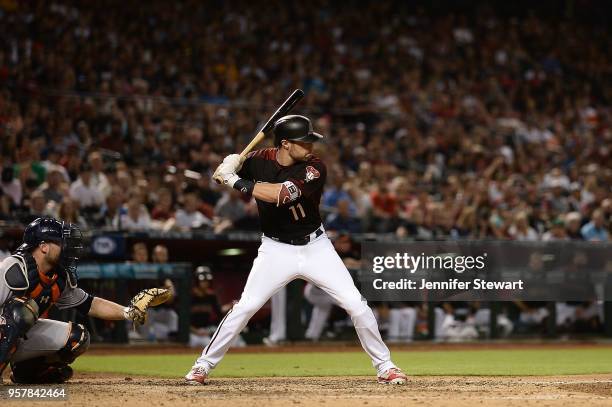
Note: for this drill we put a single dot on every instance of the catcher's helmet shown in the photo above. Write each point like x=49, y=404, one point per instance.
x=294, y=128
x=41, y=230
x=65, y=234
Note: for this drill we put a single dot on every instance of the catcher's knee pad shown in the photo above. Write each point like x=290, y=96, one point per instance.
x=77, y=344
x=23, y=312
x=19, y=314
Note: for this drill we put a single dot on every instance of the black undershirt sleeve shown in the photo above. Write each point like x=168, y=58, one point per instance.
x=84, y=307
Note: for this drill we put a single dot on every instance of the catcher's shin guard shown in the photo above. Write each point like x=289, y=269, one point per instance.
x=54, y=368
x=40, y=371
x=77, y=344
x=19, y=314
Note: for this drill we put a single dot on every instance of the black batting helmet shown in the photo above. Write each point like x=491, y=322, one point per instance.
x=203, y=273
x=294, y=128
x=65, y=234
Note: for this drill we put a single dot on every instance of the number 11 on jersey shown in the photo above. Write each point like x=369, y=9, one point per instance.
x=294, y=211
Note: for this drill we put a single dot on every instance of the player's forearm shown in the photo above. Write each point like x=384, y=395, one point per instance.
x=266, y=192
x=105, y=309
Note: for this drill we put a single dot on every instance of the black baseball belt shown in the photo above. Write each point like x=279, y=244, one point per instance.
x=300, y=241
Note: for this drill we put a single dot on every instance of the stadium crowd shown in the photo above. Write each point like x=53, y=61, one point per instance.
x=475, y=125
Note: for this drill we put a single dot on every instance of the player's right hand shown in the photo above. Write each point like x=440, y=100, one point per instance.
x=224, y=175
x=229, y=179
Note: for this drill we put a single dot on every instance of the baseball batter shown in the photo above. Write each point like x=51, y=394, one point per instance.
x=42, y=274
x=287, y=182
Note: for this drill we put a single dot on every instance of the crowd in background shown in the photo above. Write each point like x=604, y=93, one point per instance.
x=473, y=124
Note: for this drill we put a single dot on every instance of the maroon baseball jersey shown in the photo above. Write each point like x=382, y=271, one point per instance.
x=299, y=216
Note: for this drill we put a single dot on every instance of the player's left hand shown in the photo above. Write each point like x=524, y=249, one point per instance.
x=232, y=163
x=228, y=168
x=151, y=297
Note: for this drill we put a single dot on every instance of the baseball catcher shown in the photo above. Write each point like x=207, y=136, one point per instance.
x=42, y=273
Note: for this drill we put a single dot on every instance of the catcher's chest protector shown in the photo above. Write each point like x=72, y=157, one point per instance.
x=44, y=290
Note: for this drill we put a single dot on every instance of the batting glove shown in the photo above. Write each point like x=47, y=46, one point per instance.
x=233, y=162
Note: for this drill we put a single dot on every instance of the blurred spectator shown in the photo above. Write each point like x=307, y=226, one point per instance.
x=231, y=206
x=163, y=210
x=557, y=231
x=51, y=189
x=84, y=191
x=595, y=230
x=140, y=253
x=520, y=229
x=572, y=225
x=189, y=217
x=160, y=254
x=53, y=162
x=98, y=179
x=335, y=192
x=5, y=206
x=385, y=209
x=11, y=185
x=341, y=220
x=109, y=211
x=136, y=217
x=37, y=207
x=68, y=212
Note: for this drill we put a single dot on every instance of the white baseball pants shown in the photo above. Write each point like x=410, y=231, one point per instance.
x=276, y=265
x=46, y=337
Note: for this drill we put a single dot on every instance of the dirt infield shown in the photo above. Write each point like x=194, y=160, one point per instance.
x=90, y=390
x=108, y=390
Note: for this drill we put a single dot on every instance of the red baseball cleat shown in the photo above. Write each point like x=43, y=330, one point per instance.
x=196, y=376
x=393, y=376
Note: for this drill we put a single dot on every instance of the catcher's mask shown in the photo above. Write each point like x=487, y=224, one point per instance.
x=65, y=234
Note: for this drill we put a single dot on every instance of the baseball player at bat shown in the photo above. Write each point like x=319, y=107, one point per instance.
x=287, y=182
x=41, y=274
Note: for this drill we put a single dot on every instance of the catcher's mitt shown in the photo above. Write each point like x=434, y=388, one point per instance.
x=151, y=297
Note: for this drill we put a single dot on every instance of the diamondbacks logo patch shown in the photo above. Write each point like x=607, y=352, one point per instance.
x=312, y=173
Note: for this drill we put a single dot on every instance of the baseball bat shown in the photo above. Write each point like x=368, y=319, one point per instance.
x=285, y=108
